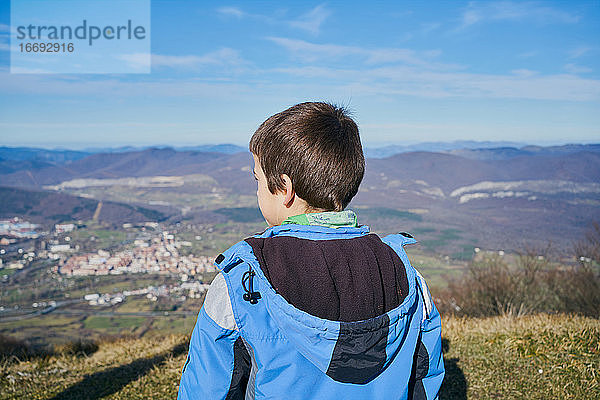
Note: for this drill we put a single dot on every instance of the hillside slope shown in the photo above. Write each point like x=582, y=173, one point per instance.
x=52, y=207
x=536, y=357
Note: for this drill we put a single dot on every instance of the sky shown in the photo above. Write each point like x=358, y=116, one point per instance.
x=409, y=71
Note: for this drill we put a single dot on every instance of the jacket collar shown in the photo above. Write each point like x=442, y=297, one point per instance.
x=332, y=219
x=315, y=232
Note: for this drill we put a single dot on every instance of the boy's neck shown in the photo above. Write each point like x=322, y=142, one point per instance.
x=332, y=219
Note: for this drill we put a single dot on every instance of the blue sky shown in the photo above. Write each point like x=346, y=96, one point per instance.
x=410, y=71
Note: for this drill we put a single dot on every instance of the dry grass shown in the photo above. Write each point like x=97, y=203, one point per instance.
x=532, y=357
x=499, y=357
x=124, y=369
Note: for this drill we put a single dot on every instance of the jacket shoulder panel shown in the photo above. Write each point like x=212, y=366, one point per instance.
x=428, y=301
x=217, y=304
x=252, y=319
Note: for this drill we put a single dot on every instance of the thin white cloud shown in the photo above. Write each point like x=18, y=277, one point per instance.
x=222, y=57
x=528, y=54
x=383, y=82
x=524, y=72
x=414, y=81
x=25, y=70
x=470, y=17
x=406, y=36
x=231, y=11
x=429, y=27
x=57, y=85
x=312, y=52
x=479, y=12
x=424, y=30
x=93, y=124
x=579, y=51
x=577, y=69
x=136, y=60
x=414, y=126
x=311, y=21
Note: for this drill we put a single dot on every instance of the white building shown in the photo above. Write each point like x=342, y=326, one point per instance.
x=62, y=228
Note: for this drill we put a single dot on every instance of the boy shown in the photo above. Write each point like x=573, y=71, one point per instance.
x=314, y=307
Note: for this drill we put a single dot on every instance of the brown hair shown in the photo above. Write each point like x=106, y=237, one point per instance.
x=317, y=145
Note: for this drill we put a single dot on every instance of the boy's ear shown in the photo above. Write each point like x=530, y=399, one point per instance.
x=289, y=190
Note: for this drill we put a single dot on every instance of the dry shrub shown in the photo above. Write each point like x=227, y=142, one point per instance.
x=578, y=290
x=535, y=284
x=587, y=250
x=11, y=347
x=80, y=347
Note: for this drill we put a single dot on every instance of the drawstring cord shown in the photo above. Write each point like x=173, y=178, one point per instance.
x=250, y=296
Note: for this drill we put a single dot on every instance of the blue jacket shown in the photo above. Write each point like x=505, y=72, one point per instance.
x=250, y=343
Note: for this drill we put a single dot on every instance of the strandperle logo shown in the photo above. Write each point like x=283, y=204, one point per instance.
x=82, y=32
x=83, y=36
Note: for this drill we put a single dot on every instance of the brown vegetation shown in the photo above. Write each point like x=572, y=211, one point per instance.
x=533, y=284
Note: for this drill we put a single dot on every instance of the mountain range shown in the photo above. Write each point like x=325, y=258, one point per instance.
x=498, y=196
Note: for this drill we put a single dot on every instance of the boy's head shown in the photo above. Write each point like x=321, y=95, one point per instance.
x=310, y=159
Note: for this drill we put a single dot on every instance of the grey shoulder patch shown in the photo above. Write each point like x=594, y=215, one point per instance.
x=427, y=300
x=217, y=303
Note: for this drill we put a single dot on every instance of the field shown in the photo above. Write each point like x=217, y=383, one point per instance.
x=533, y=357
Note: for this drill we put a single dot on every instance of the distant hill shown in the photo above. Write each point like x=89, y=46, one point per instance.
x=225, y=148
x=447, y=170
x=497, y=197
x=216, y=148
x=10, y=166
x=465, y=148
x=505, y=153
x=36, y=154
x=50, y=207
x=525, y=200
x=115, y=165
x=435, y=147
x=14, y=159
